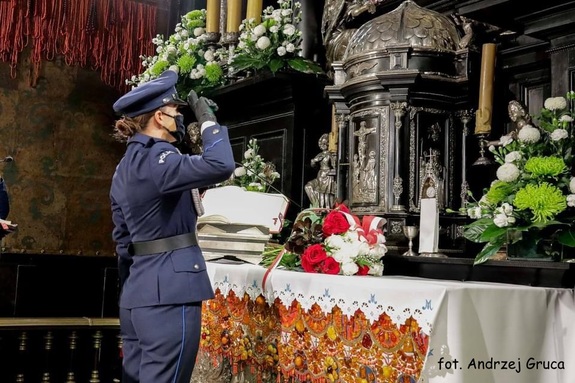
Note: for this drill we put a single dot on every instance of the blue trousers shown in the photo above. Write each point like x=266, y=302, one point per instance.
x=160, y=343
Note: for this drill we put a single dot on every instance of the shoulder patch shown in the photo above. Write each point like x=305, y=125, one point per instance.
x=163, y=156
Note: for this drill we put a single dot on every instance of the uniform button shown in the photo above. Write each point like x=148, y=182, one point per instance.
x=216, y=131
x=196, y=266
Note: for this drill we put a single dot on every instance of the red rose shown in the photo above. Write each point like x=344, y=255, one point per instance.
x=363, y=270
x=335, y=223
x=330, y=266
x=312, y=257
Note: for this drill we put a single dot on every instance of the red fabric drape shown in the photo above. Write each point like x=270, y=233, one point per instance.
x=105, y=35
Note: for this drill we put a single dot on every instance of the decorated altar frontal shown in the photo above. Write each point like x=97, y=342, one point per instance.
x=306, y=327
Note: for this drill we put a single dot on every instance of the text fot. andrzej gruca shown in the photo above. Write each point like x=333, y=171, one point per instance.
x=494, y=364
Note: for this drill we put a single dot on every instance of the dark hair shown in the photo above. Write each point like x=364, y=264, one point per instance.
x=126, y=127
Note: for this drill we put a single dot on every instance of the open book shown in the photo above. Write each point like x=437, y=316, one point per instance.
x=235, y=205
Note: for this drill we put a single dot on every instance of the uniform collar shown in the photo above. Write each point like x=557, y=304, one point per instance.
x=144, y=139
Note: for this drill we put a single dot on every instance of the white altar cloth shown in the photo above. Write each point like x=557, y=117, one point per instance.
x=479, y=332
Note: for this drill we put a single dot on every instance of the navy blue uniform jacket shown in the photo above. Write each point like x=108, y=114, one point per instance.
x=151, y=199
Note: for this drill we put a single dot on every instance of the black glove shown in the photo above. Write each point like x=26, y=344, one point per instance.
x=202, y=107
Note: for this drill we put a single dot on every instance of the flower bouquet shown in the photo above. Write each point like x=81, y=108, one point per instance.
x=187, y=52
x=531, y=205
x=255, y=174
x=273, y=44
x=333, y=242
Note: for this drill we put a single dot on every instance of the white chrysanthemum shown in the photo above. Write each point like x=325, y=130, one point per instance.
x=513, y=156
x=505, y=140
x=559, y=134
x=565, y=118
x=529, y=134
x=289, y=29
x=281, y=51
x=571, y=200
x=274, y=29
x=263, y=43
x=286, y=12
x=555, y=103
x=240, y=172
x=572, y=185
x=508, y=172
x=349, y=268
x=259, y=30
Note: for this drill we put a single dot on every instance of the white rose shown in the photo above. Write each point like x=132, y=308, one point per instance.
x=248, y=154
x=198, y=31
x=286, y=12
x=501, y=220
x=239, y=172
x=263, y=42
x=349, y=268
x=259, y=30
x=281, y=51
x=290, y=47
x=209, y=55
x=529, y=134
x=274, y=29
x=571, y=200
x=513, y=156
x=505, y=140
x=376, y=269
x=334, y=241
x=559, y=134
x=289, y=29
x=508, y=172
x=572, y=185
x=506, y=208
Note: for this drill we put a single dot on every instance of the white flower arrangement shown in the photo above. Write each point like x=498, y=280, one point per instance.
x=255, y=174
x=273, y=44
x=187, y=52
x=533, y=198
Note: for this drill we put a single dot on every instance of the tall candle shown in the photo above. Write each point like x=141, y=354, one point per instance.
x=213, y=16
x=254, y=10
x=485, y=108
x=234, y=17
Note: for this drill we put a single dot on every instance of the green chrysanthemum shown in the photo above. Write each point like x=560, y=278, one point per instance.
x=159, y=67
x=498, y=192
x=186, y=63
x=545, y=166
x=544, y=200
x=196, y=14
x=192, y=24
x=213, y=73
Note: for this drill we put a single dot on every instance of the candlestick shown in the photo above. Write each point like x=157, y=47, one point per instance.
x=213, y=16
x=254, y=10
x=234, y=15
x=485, y=109
x=333, y=135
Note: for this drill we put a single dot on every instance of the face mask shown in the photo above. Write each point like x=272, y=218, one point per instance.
x=180, y=131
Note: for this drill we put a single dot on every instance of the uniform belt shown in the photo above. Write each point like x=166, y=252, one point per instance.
x=164, y=244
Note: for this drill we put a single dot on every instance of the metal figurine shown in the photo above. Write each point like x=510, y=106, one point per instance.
x=321, y=190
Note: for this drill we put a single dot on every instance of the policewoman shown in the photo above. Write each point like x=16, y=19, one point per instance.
x=154, y=210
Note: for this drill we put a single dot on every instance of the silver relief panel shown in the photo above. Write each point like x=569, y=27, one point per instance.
x=368, y=134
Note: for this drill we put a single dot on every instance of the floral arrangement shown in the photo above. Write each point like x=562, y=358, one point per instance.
x=255, y=174
x=273, y=44
x=333, y=242
x=531, y=204
x=187, y=51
